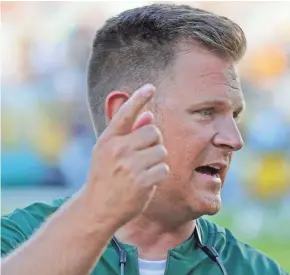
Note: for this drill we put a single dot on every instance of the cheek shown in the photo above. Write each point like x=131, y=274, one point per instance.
x=223, y=175
x=185, y=142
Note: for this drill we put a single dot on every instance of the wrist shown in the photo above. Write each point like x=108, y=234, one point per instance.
x=94, y=213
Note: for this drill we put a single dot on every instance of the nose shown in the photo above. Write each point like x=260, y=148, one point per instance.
x=228, y=136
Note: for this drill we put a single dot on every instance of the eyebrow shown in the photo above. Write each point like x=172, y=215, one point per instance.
x=216, y=101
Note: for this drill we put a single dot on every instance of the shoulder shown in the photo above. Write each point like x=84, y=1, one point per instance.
x=19, y=225
x=236, y=254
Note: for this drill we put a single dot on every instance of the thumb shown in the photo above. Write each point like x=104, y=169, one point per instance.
x=142, y=120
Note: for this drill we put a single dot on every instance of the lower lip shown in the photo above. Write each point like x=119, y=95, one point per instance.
x=209, y=178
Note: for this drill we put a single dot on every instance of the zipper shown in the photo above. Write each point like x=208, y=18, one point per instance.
x=136, y=262
x=167, y=262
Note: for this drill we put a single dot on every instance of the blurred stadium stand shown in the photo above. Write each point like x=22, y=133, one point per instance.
x=46, y=132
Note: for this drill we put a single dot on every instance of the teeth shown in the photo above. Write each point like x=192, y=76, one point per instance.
x=215, y=167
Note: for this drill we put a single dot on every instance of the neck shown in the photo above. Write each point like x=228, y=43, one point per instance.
x=152, y=238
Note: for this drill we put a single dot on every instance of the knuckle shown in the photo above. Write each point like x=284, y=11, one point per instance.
x=141, y=179
x=154, y=131
x=104, y=137
x=119, y=150
x=125, y=167
x=165, y=168
x=101, y=141
x=126, y=119
x=162, y=151
x=161, y=173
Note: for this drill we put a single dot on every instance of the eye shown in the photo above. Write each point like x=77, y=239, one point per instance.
x=206, y=112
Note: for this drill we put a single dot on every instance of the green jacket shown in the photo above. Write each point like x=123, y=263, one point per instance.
x=237, y=257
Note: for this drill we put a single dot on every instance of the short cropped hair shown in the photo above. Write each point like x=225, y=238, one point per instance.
x=136, y=46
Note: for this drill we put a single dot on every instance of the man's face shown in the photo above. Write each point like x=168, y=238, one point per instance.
x=197, y=113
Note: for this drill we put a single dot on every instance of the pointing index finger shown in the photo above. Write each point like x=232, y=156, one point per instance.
x=124, y=119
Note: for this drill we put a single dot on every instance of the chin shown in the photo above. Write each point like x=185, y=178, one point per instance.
x=211, y=206
x=212, y=212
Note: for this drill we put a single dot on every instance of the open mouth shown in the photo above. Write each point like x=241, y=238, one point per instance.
x=208, y=170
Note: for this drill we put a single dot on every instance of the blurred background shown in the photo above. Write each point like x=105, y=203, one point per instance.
x=47, y=137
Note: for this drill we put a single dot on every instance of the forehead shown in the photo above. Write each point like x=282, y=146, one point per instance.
x=201, y=74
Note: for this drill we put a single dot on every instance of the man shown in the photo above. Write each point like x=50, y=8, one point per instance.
x=159, y=163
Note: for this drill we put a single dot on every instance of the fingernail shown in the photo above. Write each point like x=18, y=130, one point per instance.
x=147, y=90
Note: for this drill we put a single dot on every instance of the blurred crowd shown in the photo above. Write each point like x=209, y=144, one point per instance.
x=47, y=135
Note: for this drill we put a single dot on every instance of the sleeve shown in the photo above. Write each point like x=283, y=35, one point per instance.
x=11, y=235
x=17, y=227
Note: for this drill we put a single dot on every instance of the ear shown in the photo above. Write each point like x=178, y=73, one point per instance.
x=113, y=103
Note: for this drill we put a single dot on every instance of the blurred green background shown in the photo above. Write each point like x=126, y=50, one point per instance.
x=46, y=135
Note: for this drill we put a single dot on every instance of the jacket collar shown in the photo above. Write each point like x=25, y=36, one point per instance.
x=190, y=244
